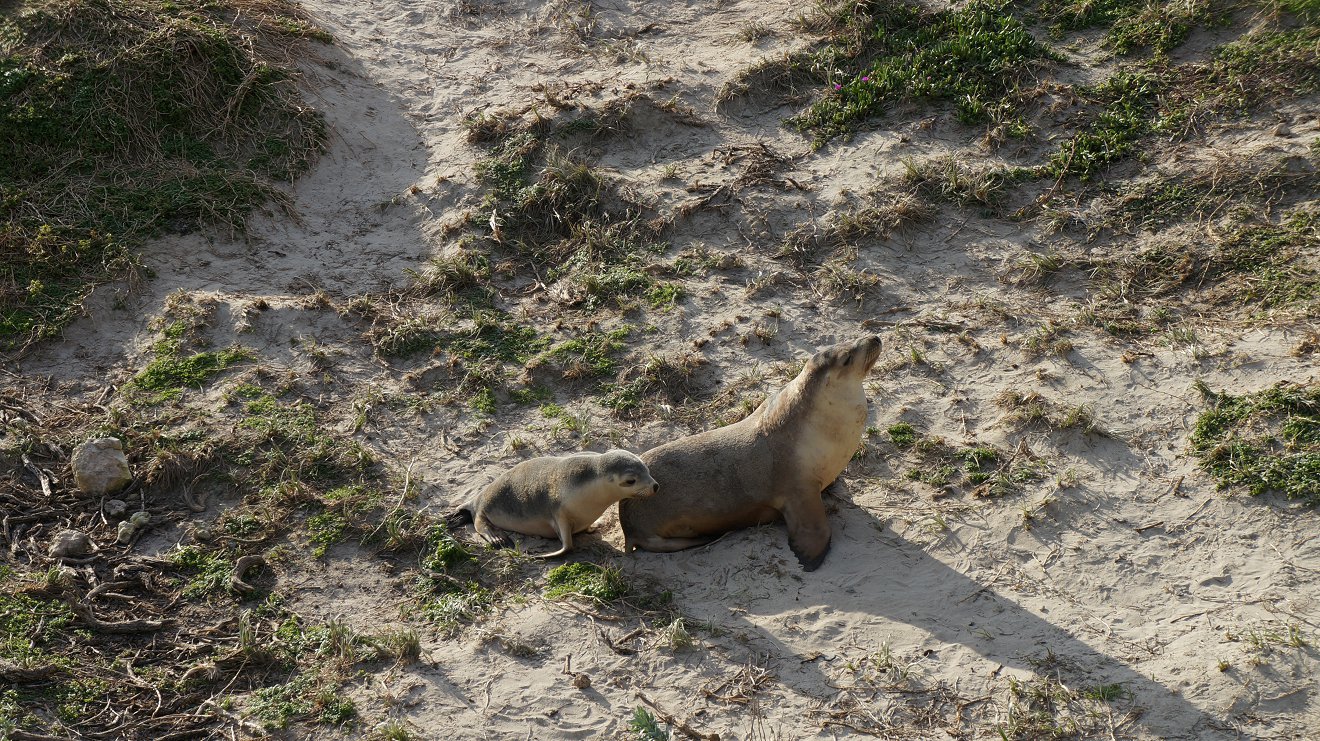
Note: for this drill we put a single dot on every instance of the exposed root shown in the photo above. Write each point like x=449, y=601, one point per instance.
x=236, y=577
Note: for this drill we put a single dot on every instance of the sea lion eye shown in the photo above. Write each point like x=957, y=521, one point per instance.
x=630, y=482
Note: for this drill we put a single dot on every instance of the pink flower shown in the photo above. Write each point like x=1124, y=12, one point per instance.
x=837, y=86
x=866, y=79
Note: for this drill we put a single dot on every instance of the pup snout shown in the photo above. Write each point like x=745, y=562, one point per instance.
x=655, y=488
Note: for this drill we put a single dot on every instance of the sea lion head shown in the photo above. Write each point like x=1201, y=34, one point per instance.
x=626, y=471
x=846, y=360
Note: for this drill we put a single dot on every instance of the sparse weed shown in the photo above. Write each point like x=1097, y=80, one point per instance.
x=661, y=380
x=1047, y=340
x=395, y=730
x=677, y=637
x=1030, y=408
x=948, y=179
x=645, y=727
x=590, y=355
x=903, y=435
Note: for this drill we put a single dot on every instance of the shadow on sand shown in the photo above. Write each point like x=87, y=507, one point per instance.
x=914, y=588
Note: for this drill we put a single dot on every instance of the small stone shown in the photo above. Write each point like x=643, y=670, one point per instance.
x=70, y=544
x=115, y=509
x=140, y=519
x=581, y=680
x=1283, y=130
x=100, y=466
x=126, y=531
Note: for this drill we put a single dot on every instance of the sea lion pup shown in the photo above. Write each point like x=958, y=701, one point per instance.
x=775, y=463
x=554, y=496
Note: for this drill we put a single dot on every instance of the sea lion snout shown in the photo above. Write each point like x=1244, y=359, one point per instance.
x=644, y=491
x=869, y=347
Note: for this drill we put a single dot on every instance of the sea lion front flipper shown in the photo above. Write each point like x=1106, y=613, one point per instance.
x=565, y=539
x=657, y=544
x=491, y=534
x=808, y=529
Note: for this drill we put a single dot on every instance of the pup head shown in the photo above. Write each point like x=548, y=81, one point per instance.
x=629, y=473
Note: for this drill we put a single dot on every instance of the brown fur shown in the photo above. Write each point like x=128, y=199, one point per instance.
x=554, y=497
x=773, y=464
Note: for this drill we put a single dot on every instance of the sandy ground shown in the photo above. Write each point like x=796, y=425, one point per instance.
x=1122, y=564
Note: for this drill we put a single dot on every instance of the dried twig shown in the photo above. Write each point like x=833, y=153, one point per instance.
x=40, y=474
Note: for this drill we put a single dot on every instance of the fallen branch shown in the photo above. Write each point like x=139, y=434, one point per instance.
x=12, y=672
x=84, y=613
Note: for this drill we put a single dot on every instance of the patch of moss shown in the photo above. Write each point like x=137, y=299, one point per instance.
x=123, y=119
x=894, y=51
x=169, y=373
x=1263, y=442
x=305, y=697
x=586, y=580
x=209, y=571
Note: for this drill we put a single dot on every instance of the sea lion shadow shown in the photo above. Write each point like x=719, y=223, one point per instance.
x=907, y=585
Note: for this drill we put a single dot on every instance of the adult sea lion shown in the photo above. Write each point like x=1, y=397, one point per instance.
x=554, y=496
x=775, y=463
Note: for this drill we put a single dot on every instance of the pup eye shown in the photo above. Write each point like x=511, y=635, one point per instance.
x=630, y=482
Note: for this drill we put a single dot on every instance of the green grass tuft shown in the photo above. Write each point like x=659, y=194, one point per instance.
x=305, y=697
x=29, y=625
x=443, y=551
x=209, y=571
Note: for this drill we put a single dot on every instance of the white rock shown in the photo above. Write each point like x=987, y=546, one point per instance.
x=100, y=467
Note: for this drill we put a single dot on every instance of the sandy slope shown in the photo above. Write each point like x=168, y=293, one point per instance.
x=1121, y=565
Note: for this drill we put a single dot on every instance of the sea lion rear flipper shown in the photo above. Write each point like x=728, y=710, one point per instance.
x=458, y=518
x=808, y=529
x=491, y=534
